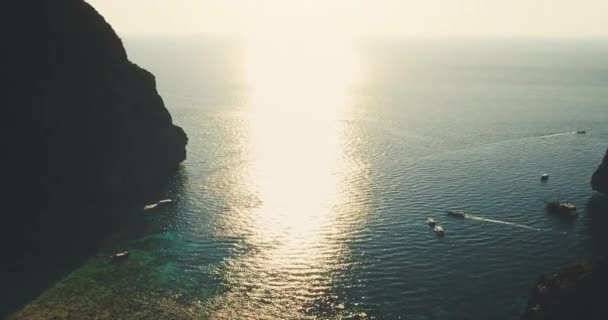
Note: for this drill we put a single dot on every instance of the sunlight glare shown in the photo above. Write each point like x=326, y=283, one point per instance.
x=298, y=95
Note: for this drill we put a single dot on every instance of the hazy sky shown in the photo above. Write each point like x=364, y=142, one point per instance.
x=358, y=17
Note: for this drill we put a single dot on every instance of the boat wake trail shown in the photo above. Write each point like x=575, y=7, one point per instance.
x=476, y=218
x=555, y=134
x=540, y=136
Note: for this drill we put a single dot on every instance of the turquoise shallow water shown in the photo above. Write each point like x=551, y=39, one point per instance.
x=309, y=200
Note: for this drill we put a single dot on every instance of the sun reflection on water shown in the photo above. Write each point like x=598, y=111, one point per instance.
x=296, y=141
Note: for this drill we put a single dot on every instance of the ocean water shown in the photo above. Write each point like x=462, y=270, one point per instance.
x=312, y=168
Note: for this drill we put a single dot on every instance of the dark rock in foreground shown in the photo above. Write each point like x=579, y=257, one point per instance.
x=575, y=292
x=87, y=125
x=599, y=180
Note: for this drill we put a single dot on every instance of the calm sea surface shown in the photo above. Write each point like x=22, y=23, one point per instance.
x=312, y=167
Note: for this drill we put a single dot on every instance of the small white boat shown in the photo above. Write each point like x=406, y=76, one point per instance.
x=544, y=177
x=150, y=206
x=439, y=231
x=119, y=256
x=431, y=222
x=158, y=203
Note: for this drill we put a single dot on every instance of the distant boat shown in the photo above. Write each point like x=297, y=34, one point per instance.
x=456, y=214
x=158, y=203
x=119, y=256
x=439, y=231
x=544, y=177
x=431, y=222
x=581, y=131
x=563, y=209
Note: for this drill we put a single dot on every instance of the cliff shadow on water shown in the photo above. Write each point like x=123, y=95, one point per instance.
x=34, y=265
x=63, y=246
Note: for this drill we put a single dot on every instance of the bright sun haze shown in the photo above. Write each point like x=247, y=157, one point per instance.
x=359, y=17
x=346, y=159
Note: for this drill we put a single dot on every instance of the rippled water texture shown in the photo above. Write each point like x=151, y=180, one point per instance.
x=311, y=172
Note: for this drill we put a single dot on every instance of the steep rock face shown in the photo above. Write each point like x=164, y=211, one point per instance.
x=599, y=180
x=89, y=125
x=574, y=292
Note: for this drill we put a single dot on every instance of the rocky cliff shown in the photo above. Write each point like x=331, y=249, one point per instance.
x=86, y=124
x=599, y=180
x=574, y=292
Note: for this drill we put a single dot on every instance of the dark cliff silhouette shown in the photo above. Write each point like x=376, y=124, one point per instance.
x=87, y=140
x=89, y=126
x=576, y=291
x=599, y=180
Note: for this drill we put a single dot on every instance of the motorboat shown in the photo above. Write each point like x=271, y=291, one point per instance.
x=581, y=131
x=431, y=222
x=439, y=231
x=158, y=203
x=544, y=177
x=456, y=214
x=150, y=206
x=119, y=256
